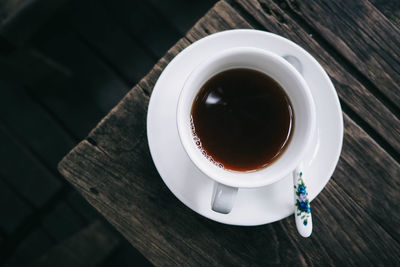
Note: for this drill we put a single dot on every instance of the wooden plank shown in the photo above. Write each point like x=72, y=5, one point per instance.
x=180, y=13
x=147, y=84
x=377, y=119
x=152, y=31
x=24, y=172
x=81, y=206
x=126, y=192
x=33, y=125
x=363, y=167
x=110, y=40
x=175, y=235
x=19, y=20
x=363, y=35
x=337, y=72
x=62, y=222
x=230, y=21
x=126, y=255
x=346, y=85
x=27, y=66
x=220, y=18
x=33, y=246
x=92, y=91
x=348, y=233
x=7, y=8
x=2, y=239
x=89, y=247
x=391, y=9
x=13, y=209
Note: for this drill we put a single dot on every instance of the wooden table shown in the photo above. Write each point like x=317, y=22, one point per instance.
x=356, y=217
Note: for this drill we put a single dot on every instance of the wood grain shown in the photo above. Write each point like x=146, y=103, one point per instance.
x=161, y=36
x=354, y=224
x=19, y=20
x=147, y=84
x=93, y=88
x=134, y=199
x=391, y=9
x=88, y=247
x=14, y=209
x=354, y=96
x=25, y=173
x=29, y=122
x=36, y=243
x=182, y=13
x=30, y=64
x=361, y=34
x=101, y=32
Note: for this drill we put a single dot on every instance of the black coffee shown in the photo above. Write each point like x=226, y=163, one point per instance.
x=242, y=119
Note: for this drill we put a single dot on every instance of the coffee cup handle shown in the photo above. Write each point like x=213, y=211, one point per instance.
x=223, y=198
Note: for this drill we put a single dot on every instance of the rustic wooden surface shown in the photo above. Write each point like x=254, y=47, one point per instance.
x=88, y=247
x=357, y=215
x=63, y=65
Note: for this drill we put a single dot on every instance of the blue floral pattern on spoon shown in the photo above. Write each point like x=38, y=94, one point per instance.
x=302, y=202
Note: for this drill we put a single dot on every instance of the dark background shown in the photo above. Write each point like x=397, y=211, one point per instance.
x=63, y=65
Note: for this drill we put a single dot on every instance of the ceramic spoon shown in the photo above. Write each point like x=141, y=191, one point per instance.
x=302, y=210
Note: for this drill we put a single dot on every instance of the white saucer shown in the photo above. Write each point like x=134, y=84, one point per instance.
x=253, y=206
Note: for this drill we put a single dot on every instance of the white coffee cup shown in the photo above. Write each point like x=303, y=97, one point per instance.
x=228, y=182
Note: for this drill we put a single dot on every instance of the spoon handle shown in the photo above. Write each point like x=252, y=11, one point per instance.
x=302, y=211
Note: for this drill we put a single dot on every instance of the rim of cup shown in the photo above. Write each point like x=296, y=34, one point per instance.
x=296, y=89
